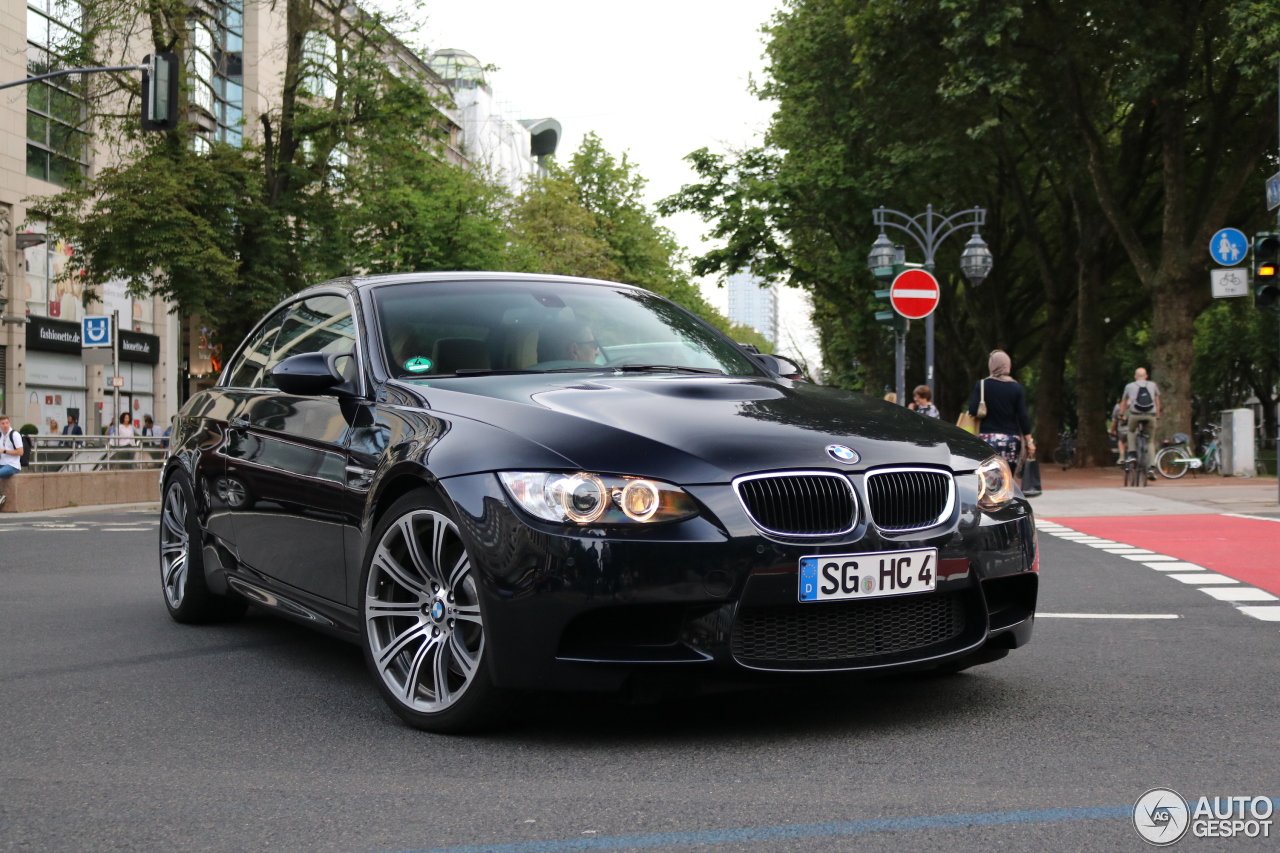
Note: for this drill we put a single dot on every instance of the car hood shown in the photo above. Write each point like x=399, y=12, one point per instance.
x=699, y=429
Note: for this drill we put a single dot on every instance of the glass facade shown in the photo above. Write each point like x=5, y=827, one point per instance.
x=57, y=146
x=215, y=65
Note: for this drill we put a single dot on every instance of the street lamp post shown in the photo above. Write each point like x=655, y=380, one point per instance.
x=929, y=230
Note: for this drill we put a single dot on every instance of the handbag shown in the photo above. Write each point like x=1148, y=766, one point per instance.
x=1030, y=475
x=968, y=422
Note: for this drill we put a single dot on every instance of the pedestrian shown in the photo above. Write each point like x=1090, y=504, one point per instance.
x=72, y=427
x=891, y=397
x=1140, y=405
x=124, y=437
x=11, y=452
x=148, y=426
x=1005, y=425
x=922, y=402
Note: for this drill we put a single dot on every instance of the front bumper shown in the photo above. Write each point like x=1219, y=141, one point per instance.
x=712, y=599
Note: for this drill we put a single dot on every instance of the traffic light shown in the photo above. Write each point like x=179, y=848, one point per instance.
x=1266, y=270
x=160, y=92
x=890, y=318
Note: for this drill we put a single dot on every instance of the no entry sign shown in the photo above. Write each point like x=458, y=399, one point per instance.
x=914, y=294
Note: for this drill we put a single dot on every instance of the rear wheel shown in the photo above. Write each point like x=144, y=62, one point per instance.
x=186, y=594
x=423, y=629
x=1172, y=462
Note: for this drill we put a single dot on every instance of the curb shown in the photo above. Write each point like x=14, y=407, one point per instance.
x=83, y=510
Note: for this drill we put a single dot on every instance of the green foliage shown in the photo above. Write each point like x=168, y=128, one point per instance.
x=554, y=233
x=346, y=177
x=1105, y=141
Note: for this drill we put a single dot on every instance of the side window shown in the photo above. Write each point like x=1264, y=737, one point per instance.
x=247, y=371
x=319, y=324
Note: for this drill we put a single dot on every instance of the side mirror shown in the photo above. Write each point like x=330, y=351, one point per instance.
x=784, y=367
x=309, y=374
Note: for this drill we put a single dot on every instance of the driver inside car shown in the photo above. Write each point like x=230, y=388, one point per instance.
x=573, y=342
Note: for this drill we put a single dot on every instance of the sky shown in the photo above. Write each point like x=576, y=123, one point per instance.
x=656, y=80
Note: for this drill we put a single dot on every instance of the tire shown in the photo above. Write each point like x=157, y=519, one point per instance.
x=422, y=626
x=1062, y=457
x=186, y=593
x=1166, y=465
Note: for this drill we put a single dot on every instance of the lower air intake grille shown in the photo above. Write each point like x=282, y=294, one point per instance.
x=845, y=631
x=799, y=504
x=908, y=500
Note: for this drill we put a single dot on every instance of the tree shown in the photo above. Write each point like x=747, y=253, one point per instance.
x=343, y=175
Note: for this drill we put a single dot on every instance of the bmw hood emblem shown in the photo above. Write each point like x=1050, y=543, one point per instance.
x=840, y=453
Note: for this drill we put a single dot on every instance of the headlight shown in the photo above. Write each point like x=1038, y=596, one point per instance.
x=995, y=483
x=582, y=498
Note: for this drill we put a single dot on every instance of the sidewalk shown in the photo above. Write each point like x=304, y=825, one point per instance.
x=1100, y=492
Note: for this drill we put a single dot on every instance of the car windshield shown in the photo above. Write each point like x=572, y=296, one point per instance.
x=452, y=328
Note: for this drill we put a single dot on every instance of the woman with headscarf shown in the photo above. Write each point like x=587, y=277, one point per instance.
x=1005, y=426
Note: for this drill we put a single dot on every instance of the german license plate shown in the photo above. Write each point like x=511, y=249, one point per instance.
x=845, y=577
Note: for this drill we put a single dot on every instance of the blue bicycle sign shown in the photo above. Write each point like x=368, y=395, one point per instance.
x=1229, y=246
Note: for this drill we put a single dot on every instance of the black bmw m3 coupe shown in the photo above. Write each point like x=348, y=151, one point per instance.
x=498, y=483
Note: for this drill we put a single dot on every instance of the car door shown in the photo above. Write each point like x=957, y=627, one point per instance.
x=289, y=452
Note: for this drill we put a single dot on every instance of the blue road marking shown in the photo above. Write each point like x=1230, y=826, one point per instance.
x=799, y=830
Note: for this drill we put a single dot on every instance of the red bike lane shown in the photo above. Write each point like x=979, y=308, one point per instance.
x=1247, y=549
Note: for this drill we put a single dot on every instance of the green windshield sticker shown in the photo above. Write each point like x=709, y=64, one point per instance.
x=418, y=365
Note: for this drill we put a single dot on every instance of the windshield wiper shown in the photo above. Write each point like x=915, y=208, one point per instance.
x=492, y=371
x=671, y=368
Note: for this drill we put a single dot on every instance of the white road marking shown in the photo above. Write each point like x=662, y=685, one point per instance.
x=1246, y=593
x=1109, y=615
x=1254, y=517
x=1210, y=583
x=1266, y=614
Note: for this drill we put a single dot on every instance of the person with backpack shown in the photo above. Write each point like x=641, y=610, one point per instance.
x=1141, y=404
x=12, y=449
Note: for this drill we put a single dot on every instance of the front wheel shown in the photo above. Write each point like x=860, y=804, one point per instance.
x=1172, y=462
x=423, y=627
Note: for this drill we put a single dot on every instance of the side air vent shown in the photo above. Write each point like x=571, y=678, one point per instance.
x=902, y=499
x=799, y=503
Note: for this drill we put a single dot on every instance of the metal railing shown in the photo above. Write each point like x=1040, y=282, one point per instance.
x=62, y=453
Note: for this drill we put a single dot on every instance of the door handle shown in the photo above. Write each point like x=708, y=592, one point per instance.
x=238, y=423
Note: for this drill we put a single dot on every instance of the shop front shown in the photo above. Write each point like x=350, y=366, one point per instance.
x=55, y=376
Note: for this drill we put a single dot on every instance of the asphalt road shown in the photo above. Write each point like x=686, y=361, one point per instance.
x=121, y=730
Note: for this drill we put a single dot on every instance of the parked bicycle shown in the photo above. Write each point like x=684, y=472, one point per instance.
x=1065, y=455
x=1137, y=468
x=1176, y=458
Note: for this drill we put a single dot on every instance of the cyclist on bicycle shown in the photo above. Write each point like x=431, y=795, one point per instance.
x=1141, y=403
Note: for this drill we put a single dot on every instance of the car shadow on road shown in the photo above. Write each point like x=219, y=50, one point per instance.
x=730, y=711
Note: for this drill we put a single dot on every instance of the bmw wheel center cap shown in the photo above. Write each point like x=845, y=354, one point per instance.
x=840, y=453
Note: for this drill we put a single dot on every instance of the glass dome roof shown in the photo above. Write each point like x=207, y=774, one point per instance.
x=458, y=68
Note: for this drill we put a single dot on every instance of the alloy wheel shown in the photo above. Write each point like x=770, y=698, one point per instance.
x=422, y=612
x=175, y=545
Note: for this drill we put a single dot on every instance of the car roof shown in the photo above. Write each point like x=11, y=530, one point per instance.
x=364, y=282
